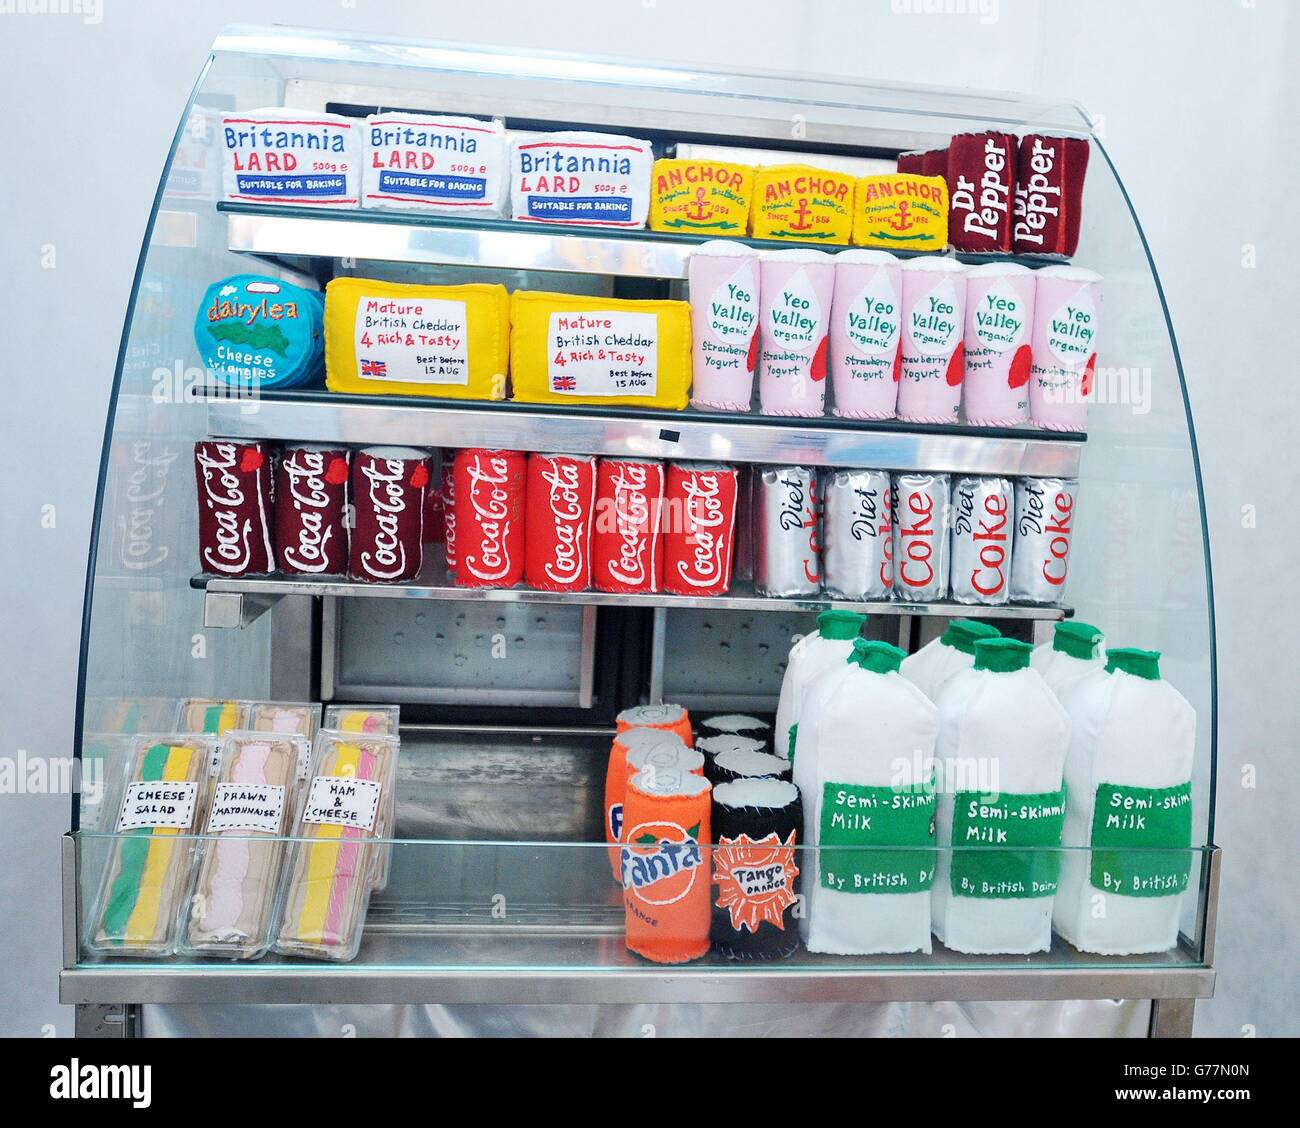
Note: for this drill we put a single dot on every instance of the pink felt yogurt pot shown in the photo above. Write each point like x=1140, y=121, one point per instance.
x=724, y=291
x=999, y=324
x=795, y=290
x=1067, y=302
x=934, y=320
x=865, y=340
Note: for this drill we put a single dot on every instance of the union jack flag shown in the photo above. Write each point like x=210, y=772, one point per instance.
x=374, y=368
x=564, y=383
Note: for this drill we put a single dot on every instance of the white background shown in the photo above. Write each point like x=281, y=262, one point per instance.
x=1200, y=117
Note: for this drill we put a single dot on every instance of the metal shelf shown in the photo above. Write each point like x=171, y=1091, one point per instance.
x=330, y=417
x=277, y=232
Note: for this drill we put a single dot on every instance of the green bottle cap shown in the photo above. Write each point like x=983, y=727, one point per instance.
x=1078, y=640
x=878, y=657
x=963, y=634
x=840, y=624
x=1002, y=655
x=1139, y=663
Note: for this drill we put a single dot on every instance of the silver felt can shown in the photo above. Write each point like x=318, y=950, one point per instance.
x=857, y=534
x=787, y=556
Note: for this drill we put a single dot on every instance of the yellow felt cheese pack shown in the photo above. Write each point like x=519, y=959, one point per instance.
x=570, y=349
x=811, y=205
x=699, y=195
x=901, y=211
x=387, y=338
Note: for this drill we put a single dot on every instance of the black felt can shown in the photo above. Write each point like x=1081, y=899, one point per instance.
x=756, y=827
x=736, y=724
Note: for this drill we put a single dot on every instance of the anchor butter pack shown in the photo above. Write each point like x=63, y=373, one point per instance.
x=286, y=156
x=901, y=211
x=388, y=338
x=690, y=195
x=566, y=348
x=574, y=177
x=813, y=205
x=444, y=165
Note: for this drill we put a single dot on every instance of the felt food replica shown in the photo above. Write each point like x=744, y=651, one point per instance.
x=802, y=203
x=700, y=195
x=386, y=338
x=901, y=211
x=576, y=177
x=570, y=349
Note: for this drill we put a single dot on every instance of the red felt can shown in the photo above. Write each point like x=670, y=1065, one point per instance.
x=699, y=527
x=560, y=512
x=489, y=506
x=388, y=487
x=1049, y=194
x=627, y=545
x=235, y=507
x=311, y=488
x=447, y=487
x=934, y=162
x=981, y=189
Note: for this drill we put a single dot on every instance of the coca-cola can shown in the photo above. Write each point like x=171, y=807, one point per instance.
x=311, y=486
x=235, y=506
x=628, y=546
x=699, y=527
x=921, y=527
x=1040, y=557
x=447, y=487
x=388, y=485
x=560, y=511
x=982, y=512
x=490, y=499
x=787, y=542
x=858, y=545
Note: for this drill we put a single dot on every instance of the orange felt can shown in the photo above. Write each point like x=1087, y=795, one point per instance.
x=671, y=717
x=665, y=865
x=625, y=743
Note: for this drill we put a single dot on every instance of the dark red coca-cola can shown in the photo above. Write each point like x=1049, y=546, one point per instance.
x=388, y=485
x=311, y=488
x=489, y=506
x=235, y=507
x=627, y=546
x=434, y=521
x=699, y=527
x=560, y=509
x=447, y=487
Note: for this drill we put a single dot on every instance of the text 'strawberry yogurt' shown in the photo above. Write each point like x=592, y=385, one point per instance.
x=999, y=325
x=934, y=321
x=795, y=292
x=1067, y=305
x=866, y=342
x=724, y=291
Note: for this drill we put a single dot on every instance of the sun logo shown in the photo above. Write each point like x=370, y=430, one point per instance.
x=755, y=879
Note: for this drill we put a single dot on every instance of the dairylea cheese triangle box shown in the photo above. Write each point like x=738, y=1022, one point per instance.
x=573, y=177
x=288, y=156
x=432, y=163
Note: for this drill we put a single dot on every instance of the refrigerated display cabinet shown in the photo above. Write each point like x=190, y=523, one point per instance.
x=508, y=696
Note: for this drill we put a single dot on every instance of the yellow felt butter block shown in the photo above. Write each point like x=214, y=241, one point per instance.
x=812, y=205
x=901, y=211
x=700, y=195
x=570, y=349
x=386, y=338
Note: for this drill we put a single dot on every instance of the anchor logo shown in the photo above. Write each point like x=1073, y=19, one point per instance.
x=802, y=212
x=699, y=208
x=904, y=222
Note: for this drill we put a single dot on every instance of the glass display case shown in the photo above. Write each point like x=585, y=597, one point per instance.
x=498, y=888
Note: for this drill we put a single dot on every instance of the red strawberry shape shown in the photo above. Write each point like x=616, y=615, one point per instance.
x=420, y=476
x=1085, y=386
x=1018, y=375
x=956, y=366
x=337, y=473
x=898, y=362
x=819, y=360
x=751, y=358
x=252, y=459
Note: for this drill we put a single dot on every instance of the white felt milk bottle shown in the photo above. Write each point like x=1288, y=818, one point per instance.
x=1129, y=774
x=1075, y=651
x=870, y=735
x=950, y=653
x=1002, y=742
x=810, y=658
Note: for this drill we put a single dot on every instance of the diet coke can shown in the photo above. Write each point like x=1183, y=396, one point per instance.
x=858, y=553
x=235, y=505
x=490, y=492
x=560, y=509
x=699, y=527
x=921, y=526
x=388, y=485
x=311, y=483
x=982, y=510
x=628, y=546
x=1044, y=528
x=787, y=558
